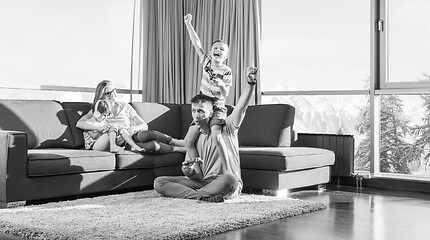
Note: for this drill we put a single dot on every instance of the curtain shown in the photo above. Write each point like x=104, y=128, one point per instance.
x=170, y=71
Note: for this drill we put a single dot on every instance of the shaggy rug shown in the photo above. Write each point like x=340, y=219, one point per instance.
x=146, y=215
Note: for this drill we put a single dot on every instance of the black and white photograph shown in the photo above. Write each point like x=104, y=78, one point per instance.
x=214, y=119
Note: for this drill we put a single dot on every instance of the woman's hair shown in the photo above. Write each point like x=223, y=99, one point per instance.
x=100, y=107
x=100, y=90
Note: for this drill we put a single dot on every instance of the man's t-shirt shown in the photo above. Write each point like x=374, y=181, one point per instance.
x=207, y=149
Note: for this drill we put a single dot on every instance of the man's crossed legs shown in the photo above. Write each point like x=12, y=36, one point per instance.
x=212, y=190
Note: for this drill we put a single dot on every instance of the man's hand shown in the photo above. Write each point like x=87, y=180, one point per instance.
x=188, y=18
x=187, y=168
x=251, y=73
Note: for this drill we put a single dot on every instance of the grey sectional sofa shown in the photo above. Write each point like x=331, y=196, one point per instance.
x=42, y=153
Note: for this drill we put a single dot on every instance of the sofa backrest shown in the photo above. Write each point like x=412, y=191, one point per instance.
x=163, y=117
x=74, y=111
x=186, y=119
x=50, y=124
x=44, y=121
x=268, y=125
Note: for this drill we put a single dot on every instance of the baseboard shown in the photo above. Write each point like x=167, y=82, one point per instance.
x=391, y=184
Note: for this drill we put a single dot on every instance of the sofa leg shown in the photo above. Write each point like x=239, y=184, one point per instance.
x=3, y=204
x=269, y=192
x=321, y=187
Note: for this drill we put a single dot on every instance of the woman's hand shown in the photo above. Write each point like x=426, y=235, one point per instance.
x=104, y=128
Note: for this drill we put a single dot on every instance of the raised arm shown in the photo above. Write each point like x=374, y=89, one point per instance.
x=239, y=111
x=193, y=36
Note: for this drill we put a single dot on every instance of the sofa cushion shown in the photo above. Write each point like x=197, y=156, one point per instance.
x=74, y=111
x=165, y=118
x=49, y=162
x=44, y=122
x=284, y=158
x=267, y=126
x=131, y=160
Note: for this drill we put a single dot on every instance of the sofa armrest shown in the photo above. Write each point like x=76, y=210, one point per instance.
x=13, y=162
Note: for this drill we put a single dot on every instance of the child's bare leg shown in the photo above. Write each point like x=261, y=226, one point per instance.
x=112, y=142
x=177, y=142
x=179, y=149
x=216, y=136
x=102, y=143
x=190, y=139
x=128, y=139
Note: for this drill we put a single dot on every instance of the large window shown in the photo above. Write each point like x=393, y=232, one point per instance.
x=315, y=45
x=355, y=67
x=47, y=44
x=405, y=135
x=408, y=34
x=403, y=100
x=316, y=57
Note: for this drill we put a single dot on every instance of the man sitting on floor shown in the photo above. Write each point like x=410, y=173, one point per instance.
x=207, y=177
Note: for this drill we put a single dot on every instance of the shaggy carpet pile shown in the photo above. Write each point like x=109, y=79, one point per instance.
x=146, y=215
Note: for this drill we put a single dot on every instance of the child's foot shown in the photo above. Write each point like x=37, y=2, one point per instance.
x=251, y=72
x=116, y=149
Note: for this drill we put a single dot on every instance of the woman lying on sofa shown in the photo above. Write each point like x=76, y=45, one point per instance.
x=122, y=114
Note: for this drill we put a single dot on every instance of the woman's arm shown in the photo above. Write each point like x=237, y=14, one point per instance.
x=140, y=125
x=84, y=125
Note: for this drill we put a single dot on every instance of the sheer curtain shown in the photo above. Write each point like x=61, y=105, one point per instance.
x=169, y=66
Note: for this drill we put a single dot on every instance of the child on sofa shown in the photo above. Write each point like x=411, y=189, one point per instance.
x=215, y=83
x=101, y=109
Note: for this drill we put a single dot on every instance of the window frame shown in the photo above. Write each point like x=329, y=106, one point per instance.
x=382, y=29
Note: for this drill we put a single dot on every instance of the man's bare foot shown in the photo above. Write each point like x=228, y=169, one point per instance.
x=115, y=149
x=251, y=73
